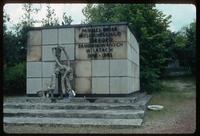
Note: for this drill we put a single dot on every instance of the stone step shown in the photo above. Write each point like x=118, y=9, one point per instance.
x=72, y=121
x=94, y=106
x=75, y=99
x=109, y=114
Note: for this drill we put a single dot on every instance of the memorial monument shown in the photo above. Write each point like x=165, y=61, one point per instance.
x=104, y=58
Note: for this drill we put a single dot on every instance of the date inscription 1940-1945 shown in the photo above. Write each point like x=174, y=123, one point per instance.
x=101, y=42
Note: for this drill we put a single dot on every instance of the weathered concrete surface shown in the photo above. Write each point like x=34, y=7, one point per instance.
x=92, y=106
x=66, y=35
x=49, y=36
x=68, y=113
x=34, y=53
x=48, y=69
x=100, y=85
x=73, y=121
x=33, y=85
x=34, y=38
x=83, y=69
x=107, y=50
x=119, y=67
x=103, y=111
x=34, y=69
x=47, y=53
x=83, y=85
x=100, y=68
x=119, y=85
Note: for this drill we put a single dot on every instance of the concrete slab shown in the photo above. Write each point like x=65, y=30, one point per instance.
x=100, y=68
x=83, y=68
x=34, y=52
x=78, y=38
x=65, y=113
x=69, y=48
x=34, y=69
x=119, y=67
x=49, y=36
x=33, y=85
x=47, y=69
x=45, y=82
x=73, y=121
x=66, y=35
x=47, y=54
x=83, y=85
x=100, y=85
x=34, y=37
x=120, y=52
x=81, y=53
x=119, y=85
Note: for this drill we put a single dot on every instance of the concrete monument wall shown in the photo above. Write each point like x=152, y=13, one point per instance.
x=105, y=58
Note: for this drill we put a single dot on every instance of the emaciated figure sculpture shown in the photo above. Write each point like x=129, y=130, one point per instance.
x=63, y=74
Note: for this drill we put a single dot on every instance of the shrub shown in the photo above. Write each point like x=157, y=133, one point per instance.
x=150, y=81
x=15, y=79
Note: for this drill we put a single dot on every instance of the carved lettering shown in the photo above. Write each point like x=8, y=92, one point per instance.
x=100, y=41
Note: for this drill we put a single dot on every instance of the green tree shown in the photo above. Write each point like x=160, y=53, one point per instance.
x=51, y=19
x=150, y=27
x=22, y=28
x=9, y=40
x=185, y=46
x=15, y=52
x=67, y=20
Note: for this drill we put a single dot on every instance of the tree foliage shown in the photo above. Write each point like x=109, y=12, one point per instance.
x=14, y=46
x=150, y=27
x=185, y=46
x=50, y=19
x=67, y=20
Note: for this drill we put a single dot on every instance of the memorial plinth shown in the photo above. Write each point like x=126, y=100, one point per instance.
x=104, y=58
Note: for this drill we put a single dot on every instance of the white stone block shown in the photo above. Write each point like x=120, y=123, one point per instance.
x=69, y=48
x=131, y=54
x=83, y=85
x=34, y=85
x=34, y=69
x=120, y=52
x=131, y=84
x=132, y=69
x=136, y=71
x=119, y=85
x=119, y=67
x=136, y=84
x=46, y=82
x=47, y=54
x=66, y=35
x=123, y=36
x=81, y=53
x=83, y=69
x=78, y=33
x=34, y=37
x=47, y=69
x=100, y=67
x=100, y=85
x=49, y=36
x=129, y=68
x=129, y=51
x=34, y=53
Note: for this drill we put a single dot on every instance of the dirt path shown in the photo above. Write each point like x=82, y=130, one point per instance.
x=178, y=115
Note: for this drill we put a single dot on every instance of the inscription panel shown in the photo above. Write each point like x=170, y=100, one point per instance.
x=101, y=42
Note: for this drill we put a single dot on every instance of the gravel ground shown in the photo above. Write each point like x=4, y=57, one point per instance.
x=176, y=117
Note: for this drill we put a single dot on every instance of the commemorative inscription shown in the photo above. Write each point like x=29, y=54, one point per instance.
x=101, y=41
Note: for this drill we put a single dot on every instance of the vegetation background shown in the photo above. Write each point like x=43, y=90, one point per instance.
x=158, y=45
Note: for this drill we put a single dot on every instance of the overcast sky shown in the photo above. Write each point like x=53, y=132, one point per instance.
x=182, y=14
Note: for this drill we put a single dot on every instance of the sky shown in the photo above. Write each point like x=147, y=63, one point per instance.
x=182, y=14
